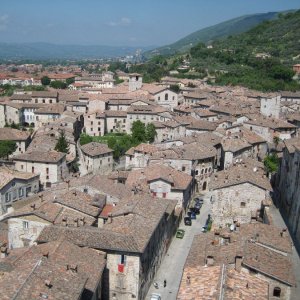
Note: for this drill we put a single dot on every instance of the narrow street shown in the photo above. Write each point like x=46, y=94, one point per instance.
x=279, y=222
x=172, y=266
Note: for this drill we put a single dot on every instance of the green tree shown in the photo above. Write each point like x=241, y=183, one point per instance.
x=271, y=163
x=45, y=80
x=62, y=145
x=70, y=80
x=138, y=131
x=85, y=139
x=175, y=88
x=7, y=148
x=57, y=84
x=150, y=132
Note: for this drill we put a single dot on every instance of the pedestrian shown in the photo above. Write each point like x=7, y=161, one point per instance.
x=165, y=283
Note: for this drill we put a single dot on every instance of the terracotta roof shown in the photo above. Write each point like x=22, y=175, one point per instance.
x=56, y=270
x=177, y=179
x=51, y=109
x=38, y=156
x=44, y=94
x=202, y=125
x=7, y=175
x=95, y=149
x=202, y=283
x=133, y=222
x=268, y=262
x=11, y=134
x=292, y=144
x=142, y=148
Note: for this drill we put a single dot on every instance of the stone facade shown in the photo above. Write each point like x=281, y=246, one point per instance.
x=236, y=203
x=289, y=189
x=23, y=231
x=270, y=107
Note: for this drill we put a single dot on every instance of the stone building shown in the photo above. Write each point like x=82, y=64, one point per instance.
x=94, y=123
x=97, y=158
x=16, y=185
x=288, y=185
x=61, y=207
x=162, y=181
x=238, y=193
x=56, y=270
x=44, y=97
x=51, y=165
x=138, y=157
x=135, y=239
x=270, y=106
x=251, y=262
x=21, y=138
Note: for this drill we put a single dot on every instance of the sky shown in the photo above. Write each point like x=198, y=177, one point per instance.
x=120, y=22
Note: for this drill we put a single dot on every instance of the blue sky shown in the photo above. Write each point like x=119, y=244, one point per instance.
x=120, y=22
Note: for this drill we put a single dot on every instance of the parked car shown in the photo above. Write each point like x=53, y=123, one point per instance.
x=180, y=233
x=187, y=221
x=189, y=213
x=198, y=205
x=193, y=215
x=196, y=210
x=199, y=200
x=155, y=296
x=204, y=228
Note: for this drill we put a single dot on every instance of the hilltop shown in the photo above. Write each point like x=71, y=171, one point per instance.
x=212, y=33
x=260, y=58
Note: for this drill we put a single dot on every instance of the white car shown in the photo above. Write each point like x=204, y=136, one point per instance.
x=155, y=296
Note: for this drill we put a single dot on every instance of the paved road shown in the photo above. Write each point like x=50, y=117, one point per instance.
x=172, y=266
x=279, y=222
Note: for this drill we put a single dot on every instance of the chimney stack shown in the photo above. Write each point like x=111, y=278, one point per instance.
x=238, y=263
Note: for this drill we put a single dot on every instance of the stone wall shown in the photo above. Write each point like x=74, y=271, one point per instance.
x=236, y=203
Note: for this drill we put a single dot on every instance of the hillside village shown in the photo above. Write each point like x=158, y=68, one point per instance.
x=85, y=224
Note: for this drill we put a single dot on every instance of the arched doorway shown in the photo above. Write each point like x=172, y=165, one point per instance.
x=204, y=186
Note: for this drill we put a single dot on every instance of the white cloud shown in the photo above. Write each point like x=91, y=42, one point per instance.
x=124, y=21
x=3, y=22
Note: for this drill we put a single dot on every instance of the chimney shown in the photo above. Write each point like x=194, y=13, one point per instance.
x=188, y=280
x=72, y=268
x=76, y=222
x=46, y=254
x=210, y=260
x=238, y=263
x=65, y=221
x=41, y=196
x=283, y=233
x=110, y=218
x=4, y=252
x=48, y=283
x=33, y=206
x=75, y=193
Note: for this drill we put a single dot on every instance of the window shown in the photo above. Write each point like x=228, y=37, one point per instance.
x=7, y=197
x=47, y=170
x=32, y=169
x=124, y=121
x=196, y=172
x=154, y=194
x=166, y=96
x=158, y=98
x=21, y=192
x=50, y=101
x=92, y=122
x=182, y=169
x=43, y=100
x=164, y=195
x=277, y=292
x=243, y=204
x=25, y=225
x=123, y=259
x=99, y=129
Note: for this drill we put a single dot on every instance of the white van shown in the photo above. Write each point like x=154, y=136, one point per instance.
x=155, y=296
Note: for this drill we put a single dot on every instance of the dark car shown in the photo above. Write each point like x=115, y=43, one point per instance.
x=195, y=210
x=198, y=205
x=199, y=200
x=187, y=221
x=189, y=213
x=193, y=215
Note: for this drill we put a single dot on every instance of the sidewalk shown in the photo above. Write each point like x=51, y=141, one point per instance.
x=172, y=266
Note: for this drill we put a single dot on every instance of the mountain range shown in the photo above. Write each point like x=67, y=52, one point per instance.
x=53, y=51
x=209, y=34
